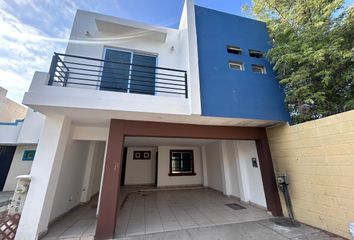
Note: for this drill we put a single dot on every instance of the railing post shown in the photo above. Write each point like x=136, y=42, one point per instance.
x=186, y=84
x=52, y=69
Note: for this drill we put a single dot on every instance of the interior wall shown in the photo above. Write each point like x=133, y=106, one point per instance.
x=98, y=167
x=163, y=179
x=230, y=162
x=18, y=167
x=140, y=171
x=69, y=188
x=251, y=176
x=213, y=166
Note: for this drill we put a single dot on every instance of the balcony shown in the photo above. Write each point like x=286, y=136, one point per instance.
x=117, y=76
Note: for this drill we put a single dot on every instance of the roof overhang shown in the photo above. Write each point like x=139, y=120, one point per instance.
x=130, y=31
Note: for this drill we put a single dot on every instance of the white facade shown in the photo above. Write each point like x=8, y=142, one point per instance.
x=140, y=172
x=70, y=158
x=10, y=111
x=19, y=126
x=18, y=167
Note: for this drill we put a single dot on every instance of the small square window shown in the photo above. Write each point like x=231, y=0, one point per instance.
x=255, y=53
x=236, y=66
x=258, y=69
x=234, y=49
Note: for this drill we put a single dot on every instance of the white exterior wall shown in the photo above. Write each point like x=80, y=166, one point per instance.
x=69, y=188
x=230, y=170
x=31, y=127
x=140, y=171
x=229, y=159
x=164, y=180
x=98, y=168
x=252, y=183
x=188, y=29
x=10, y=110
x=18, y=167
x=92, y=33
x=9, y=133
x=93, y=45
x=24, y=132
x=44, y=178
x=215, y=177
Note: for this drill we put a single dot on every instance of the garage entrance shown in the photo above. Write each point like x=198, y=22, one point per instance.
x=179, y=165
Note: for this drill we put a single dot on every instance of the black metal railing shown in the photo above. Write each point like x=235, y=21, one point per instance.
x=78, y=71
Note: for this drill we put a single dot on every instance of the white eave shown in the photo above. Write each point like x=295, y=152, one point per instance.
x=126, y=30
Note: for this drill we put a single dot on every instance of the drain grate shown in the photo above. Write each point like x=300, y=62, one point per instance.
x=235, y=206
x=285, y=222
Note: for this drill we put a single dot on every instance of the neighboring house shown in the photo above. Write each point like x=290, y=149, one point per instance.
x=130, y=104
x=19, y=134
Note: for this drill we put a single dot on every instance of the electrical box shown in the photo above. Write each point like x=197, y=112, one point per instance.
x=254, y=162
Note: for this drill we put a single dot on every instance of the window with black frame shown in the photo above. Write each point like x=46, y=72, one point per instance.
x=181, y=163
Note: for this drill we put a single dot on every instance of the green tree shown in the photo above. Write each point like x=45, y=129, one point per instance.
x=312, y=54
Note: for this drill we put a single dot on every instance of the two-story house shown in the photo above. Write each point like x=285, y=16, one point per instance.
x=133, y=104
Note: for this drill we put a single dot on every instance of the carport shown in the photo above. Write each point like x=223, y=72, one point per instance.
x=120, y=129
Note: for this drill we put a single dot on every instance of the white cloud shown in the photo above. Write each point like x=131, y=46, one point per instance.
x=23, y=50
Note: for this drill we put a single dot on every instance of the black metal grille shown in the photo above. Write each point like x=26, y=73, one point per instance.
x=85, y=72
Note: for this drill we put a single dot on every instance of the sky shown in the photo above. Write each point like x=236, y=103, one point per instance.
x=31, y=30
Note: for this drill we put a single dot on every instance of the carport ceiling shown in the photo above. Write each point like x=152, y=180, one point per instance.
x=154, y=141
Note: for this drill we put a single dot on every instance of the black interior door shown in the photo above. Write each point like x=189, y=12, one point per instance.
x=6, y=155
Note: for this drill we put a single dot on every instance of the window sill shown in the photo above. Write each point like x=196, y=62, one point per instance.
x=182, y=174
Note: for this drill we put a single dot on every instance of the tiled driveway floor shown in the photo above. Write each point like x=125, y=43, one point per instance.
x=169, y=210
x=180, y=214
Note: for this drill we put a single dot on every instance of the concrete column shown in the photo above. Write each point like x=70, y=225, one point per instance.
x=205, y=166
x=225, y=159
x=44, y=174
x=89, y=169
x=241, y=175
x=107, y=216
x=268, y=176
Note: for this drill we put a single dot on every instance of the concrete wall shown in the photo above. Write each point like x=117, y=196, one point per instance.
x=164, y=168
x=230, y=93
x=230, y=170
x=72, y=170
x=31, y=127
x=25, y=131
x=98, y=167
x=140, y=171
x=213, y=166
x=318, y=156
x=252, y=183
x=93, y=170
x=10, y=110
x=18, y=167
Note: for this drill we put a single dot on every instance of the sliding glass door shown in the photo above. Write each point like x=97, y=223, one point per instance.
x=125, y=71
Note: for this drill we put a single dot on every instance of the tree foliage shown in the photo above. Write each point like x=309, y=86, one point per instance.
x=312, y=54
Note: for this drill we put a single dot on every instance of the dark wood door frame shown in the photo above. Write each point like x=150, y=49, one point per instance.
x=113, y=164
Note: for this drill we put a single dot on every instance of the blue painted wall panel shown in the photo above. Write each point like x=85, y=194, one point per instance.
x=229, y=93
